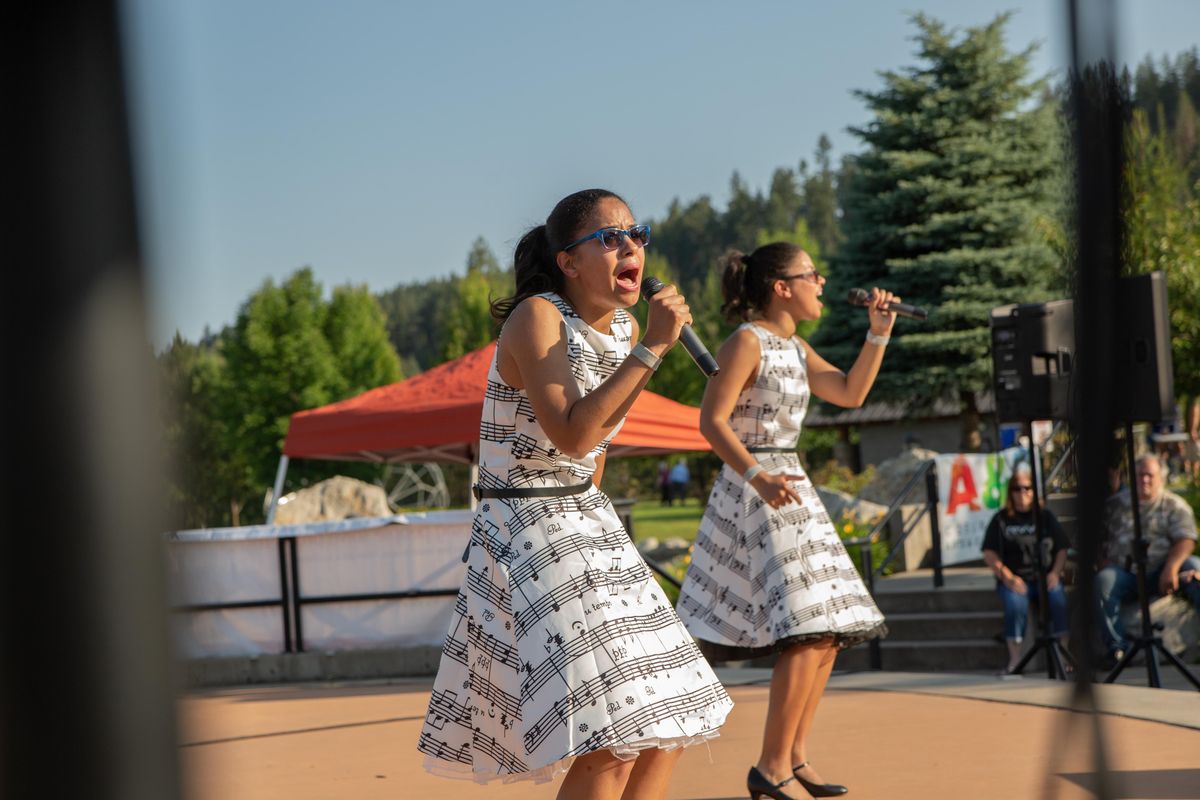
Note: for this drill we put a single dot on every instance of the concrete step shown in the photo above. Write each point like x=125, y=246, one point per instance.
x=943, y=600
x=944, y=625
x=950, y=655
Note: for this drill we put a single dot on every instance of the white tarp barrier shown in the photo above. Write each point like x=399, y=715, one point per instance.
x=411, y=552
x=971, y=488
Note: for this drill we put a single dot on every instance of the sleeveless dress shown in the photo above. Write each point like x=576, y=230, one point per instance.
x=762, y=579
x=561, y=642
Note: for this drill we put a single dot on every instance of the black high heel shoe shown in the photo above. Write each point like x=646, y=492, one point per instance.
x=818, y=789
x=758, y=785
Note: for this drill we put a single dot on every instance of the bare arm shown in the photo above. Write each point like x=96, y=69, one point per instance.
x=1168, y=580
x=1054, y=576
x=849, y=389
x=533, y=356
x=1006, y=576
x=738, y=359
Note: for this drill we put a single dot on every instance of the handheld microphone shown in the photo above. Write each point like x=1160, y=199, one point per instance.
x=860, y=297
x=691, y=342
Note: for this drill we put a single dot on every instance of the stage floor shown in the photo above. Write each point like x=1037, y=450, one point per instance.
x=885, y=735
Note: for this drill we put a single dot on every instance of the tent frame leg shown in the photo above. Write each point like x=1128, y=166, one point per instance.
x=280, y=474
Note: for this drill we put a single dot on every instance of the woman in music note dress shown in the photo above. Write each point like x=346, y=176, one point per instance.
x=563, y=655
x=768, y=572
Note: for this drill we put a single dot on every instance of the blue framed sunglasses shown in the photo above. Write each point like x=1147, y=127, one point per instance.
x=610, y=238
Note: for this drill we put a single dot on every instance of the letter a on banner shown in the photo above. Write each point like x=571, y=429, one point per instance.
x=962, y=487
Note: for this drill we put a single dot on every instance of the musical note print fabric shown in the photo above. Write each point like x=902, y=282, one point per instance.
x=761, y=578
x=561, y=642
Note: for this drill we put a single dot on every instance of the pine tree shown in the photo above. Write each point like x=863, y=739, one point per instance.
x=467, y=322
x=1162, y=232
x=821, y=201
x=947, y=207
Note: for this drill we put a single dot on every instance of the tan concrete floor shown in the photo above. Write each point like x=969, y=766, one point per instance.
x=358, y=741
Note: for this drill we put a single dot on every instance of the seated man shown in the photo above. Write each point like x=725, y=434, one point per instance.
x=1169, y=531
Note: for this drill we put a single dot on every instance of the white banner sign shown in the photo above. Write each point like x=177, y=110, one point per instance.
x=971, y=488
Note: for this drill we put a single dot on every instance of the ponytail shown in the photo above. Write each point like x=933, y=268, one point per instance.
x=733, y=284
x=534, y=270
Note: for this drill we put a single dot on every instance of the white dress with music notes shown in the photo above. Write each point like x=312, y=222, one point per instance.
x=761, y=578
x=561, y=642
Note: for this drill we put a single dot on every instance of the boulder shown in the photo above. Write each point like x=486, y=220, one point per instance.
x=655, y=550
x=337, y=498
x=892, y=474
x=838, y=503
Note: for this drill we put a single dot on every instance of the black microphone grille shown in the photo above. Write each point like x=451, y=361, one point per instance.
x=651, y=286
x=858, y=297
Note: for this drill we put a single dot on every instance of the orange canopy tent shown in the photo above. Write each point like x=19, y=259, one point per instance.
x=434, y=416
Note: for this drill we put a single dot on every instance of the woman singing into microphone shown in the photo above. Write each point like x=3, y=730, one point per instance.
x=769, y=573
x=562, y=655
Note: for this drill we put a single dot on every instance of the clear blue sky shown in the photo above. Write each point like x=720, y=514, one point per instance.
x=373, y=141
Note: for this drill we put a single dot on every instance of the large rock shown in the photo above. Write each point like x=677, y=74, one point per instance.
x=655, y=550
x=892, y=474
x=339, y=497
x=838, y=503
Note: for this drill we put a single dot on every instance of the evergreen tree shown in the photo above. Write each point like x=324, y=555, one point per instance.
x=208, y=484
x=947, y=208
x=784, y=201
x=467, y=322
x=1162, y=232
x=691, y=238
x=821, y=201
x=415, y=315
x=744, y=215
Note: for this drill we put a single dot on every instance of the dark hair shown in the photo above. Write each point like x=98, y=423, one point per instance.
x=746, y=279
x=534, y=265
x=1024, y=469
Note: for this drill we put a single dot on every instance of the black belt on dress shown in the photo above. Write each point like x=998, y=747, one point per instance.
x=510, y=492
x=765, y=449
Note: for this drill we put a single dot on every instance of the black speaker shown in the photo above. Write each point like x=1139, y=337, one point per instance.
x=1145, y=375
x=1033, y=348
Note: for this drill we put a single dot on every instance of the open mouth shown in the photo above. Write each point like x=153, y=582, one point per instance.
x=627, y=279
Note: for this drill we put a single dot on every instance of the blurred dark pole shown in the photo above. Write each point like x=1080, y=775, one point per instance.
x=1097, y=113
x=86, y=701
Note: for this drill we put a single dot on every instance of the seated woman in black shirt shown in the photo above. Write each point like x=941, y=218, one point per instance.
x=1009, y=548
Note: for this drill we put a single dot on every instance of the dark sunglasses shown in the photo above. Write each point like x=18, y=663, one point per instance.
x=610, y=238
x=1016, y=488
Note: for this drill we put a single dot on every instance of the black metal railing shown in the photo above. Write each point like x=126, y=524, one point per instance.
x=926, y=473
x=291, y=601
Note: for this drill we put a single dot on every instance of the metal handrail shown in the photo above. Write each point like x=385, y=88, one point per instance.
x=927, y=472
x=671, y=579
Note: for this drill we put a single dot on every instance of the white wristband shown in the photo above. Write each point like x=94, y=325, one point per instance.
x=878, y=340
x=645, y=355
x=752, y=471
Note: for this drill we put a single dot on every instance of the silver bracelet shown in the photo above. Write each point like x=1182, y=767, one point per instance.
x=752, y=471
x=645, y=355
x=878, y=340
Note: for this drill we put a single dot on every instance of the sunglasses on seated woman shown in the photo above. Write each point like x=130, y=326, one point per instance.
x=610, y=238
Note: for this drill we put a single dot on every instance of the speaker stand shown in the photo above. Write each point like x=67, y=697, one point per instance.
x=1057, y=656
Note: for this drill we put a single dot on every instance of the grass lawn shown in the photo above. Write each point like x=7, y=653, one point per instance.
x=663, y=522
